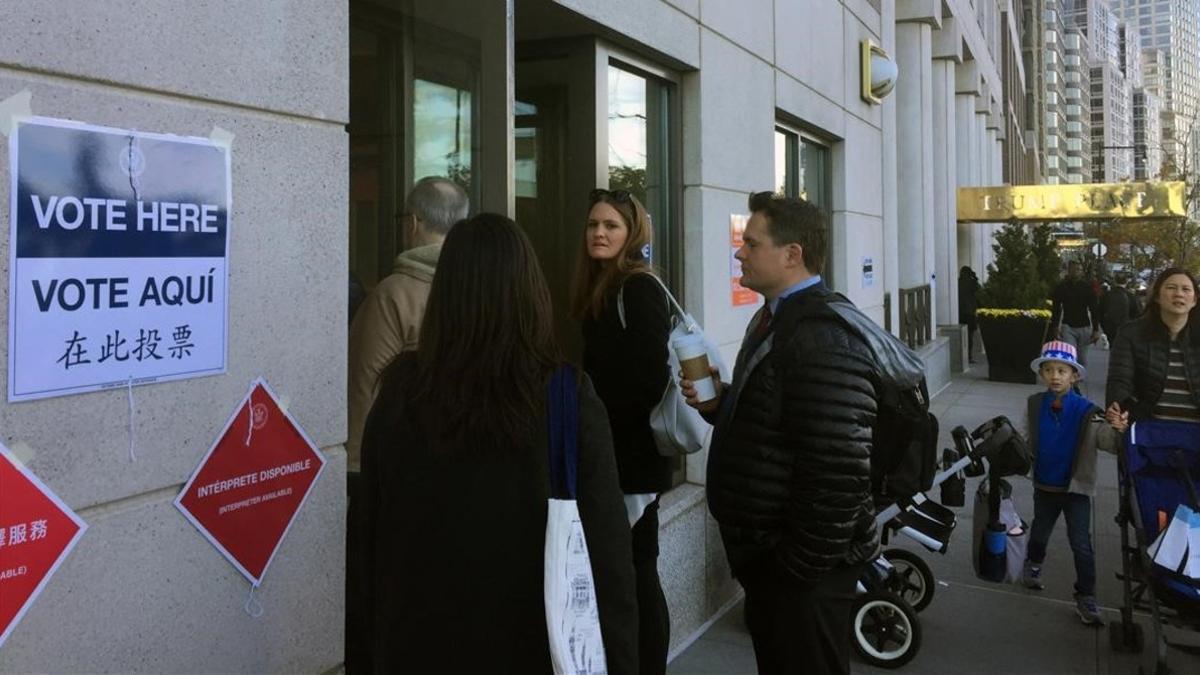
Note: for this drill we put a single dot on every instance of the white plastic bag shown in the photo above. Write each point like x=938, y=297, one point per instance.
x=569, y=590
x=1170, y=549
x=572, y=615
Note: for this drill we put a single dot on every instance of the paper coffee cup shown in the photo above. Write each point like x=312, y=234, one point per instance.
x=693, y=360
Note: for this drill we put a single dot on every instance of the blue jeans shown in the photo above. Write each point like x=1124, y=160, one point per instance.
x=1081, y=338
x=1077, y=511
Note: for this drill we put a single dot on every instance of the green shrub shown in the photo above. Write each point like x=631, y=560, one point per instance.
x=1024, y=269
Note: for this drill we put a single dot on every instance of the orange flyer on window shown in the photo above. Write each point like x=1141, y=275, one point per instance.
x=740, y=295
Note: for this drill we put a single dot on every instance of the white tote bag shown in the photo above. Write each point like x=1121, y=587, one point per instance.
x=678, y=428
x=572, y=611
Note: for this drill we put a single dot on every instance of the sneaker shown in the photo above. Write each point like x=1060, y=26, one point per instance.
x=1032, y=576
x=1089, y=613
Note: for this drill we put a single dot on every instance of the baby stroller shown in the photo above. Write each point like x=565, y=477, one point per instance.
x=1159, y=470
x=899, y=584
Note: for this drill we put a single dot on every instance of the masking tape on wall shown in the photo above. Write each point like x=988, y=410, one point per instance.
x=13, y=109
x=221, y=137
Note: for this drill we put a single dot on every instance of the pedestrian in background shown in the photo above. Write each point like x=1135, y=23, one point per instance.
x=968, y=303
x=1075, y=315
x=1117, y=308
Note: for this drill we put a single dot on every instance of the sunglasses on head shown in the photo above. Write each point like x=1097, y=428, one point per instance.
x=620, y=196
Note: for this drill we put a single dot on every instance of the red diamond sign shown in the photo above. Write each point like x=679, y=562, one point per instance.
x=247, y=490
x=37, y=531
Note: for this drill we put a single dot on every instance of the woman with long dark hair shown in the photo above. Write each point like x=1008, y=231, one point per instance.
x=456, y=478
x=626, y=324
x=1154, y=371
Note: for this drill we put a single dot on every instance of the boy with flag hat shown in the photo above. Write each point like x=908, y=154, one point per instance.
x=1066, y=430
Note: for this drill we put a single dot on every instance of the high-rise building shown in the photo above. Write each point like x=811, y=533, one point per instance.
x=1045, y=56
x=1147, y=115
x=1172, y=27
x=1077, y=77
x=1115, y=73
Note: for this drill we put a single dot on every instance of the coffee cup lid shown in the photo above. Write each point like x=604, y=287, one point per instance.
x=687, y=340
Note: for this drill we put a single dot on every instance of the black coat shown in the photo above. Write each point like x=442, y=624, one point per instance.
x=1137, y=368
x=454, y=544
x=968, y=290
x=629, y=367
x=789, y=472
x=1117, y=307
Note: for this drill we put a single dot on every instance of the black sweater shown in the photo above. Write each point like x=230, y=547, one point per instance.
x=629, y=367
x=1075, y=304
x=454, y=544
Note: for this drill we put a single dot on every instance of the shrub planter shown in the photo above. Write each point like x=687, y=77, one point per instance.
x=1013, y=339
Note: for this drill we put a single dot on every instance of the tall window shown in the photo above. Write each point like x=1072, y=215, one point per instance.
x=413, y=113
x=802, y=168
x=640, y=153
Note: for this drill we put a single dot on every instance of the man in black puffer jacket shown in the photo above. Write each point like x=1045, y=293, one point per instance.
x=789, y=469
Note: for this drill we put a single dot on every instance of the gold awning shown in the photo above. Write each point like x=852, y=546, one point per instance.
x=1093, y=201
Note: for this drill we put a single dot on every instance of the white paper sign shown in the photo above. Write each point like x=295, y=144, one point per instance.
x=118, y=258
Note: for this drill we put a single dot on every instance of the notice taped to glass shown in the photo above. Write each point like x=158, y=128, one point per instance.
x=119, y=255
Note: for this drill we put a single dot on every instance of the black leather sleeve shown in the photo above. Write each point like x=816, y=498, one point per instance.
x=606, y=526
x=828, y=410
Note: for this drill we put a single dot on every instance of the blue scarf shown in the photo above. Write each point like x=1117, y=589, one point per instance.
x=1058, y=438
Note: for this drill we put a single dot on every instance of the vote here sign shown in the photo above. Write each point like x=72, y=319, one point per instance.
x=119, y=256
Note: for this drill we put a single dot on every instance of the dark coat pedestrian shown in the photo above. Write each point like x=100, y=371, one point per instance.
x=789, y=470
x=456, y=479
x=968, y=303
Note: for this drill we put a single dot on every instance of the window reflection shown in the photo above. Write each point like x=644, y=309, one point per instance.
x=442, y=132
x=639, y=151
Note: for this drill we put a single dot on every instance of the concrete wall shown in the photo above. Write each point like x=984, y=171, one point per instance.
x=143, y=591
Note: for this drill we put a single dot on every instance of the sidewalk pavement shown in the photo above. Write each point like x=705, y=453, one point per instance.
x=973, y=626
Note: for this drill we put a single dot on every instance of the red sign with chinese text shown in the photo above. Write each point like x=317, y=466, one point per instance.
x=37, y=531
x=248, y=489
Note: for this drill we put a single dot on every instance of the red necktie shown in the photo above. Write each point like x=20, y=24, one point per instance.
x=764, y=323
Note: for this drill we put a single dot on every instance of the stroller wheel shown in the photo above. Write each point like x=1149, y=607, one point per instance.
x=913, y=580
x=886, y=630
x=1124, y=637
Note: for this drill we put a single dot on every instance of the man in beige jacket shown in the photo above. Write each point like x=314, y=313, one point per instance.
x=387, y=323
x=389, y=320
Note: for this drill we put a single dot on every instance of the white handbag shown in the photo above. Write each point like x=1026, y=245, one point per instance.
x=678, y=427
x=569, y=589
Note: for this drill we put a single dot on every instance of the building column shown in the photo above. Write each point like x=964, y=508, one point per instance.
x=891, y=257
x=981, y=248
x=942, y=238
x=915, y=141
x=966, y=152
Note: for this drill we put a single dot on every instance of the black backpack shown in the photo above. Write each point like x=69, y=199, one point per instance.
x=904, y=454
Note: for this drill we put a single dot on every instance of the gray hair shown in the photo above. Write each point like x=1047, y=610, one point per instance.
x=438, y=202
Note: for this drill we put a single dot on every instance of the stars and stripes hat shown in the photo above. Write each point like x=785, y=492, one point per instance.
x=1062, y=352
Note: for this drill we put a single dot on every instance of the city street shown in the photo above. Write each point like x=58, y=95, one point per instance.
x=974, y=626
